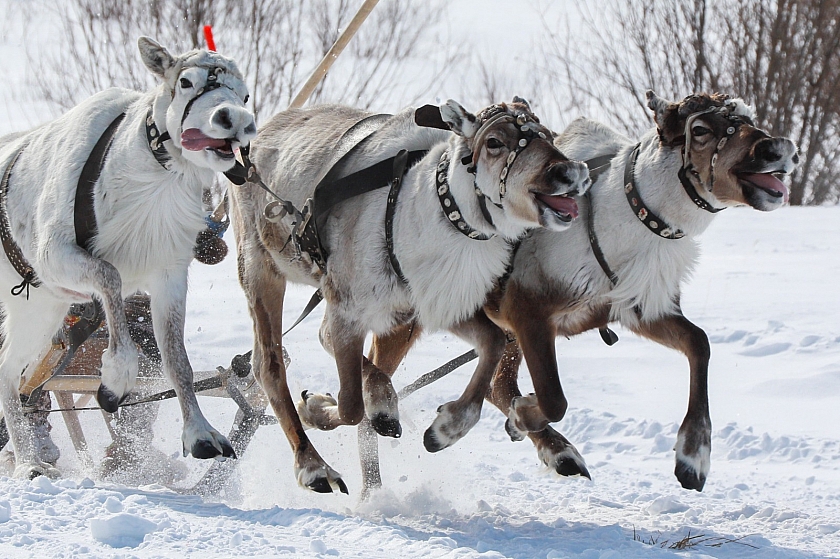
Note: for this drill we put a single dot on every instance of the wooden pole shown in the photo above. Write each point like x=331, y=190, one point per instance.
x=322, y=69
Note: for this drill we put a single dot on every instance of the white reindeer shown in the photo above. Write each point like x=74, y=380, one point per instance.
x=147, y=211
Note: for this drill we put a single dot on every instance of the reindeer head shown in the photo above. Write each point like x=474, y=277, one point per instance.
x=205, y=114
x=516, y=165
x=724, y=154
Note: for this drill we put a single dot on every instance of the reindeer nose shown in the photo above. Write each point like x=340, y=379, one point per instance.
x=572, y=177
x=766, y=150
x=222, y=118
x=771, y=150
x=237, y=121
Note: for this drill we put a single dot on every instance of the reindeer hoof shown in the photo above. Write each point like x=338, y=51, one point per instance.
x=38, y=469
x=322, y=485
x=515, y=434
x=107, y=400
x=569, y=467
x=386, y=425
x=204, y=449
x=431, y=442
x=689, y=477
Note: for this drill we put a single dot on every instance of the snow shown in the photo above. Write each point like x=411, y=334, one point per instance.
x=774, y=488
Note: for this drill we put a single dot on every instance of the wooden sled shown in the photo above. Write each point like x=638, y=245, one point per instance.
x=74, y=392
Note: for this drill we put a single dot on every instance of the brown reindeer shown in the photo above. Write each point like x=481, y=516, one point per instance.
x=625, y=259
x=430, y=254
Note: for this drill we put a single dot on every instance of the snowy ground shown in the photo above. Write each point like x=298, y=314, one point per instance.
x=764, y=291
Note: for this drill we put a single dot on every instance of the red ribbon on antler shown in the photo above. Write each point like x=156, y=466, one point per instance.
x=208, y=36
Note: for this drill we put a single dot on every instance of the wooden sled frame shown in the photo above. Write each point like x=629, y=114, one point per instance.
x=74, y=392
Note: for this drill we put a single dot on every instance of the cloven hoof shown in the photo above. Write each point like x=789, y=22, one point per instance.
x=688, y=476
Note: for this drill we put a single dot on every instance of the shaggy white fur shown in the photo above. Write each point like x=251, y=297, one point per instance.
x=147, y=216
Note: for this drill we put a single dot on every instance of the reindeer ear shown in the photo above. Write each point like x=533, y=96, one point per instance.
x=522, y=101
x=665, y=115
x=428, y=116
x=461, y=121
x=658, y=105
x=156, y=58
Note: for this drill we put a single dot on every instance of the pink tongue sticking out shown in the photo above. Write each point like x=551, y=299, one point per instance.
x=560, y=203
x=195, y=140
x=767, y=182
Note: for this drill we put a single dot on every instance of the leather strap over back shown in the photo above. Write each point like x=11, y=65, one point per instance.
x=329, y=194
x=13, y=252
x=84, y=215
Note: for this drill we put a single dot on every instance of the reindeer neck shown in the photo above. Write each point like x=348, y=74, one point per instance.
x=658, y=189
x=462, y=184
x=160, y=105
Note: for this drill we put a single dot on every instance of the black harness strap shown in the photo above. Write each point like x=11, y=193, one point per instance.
x=330, y=193
x=314, y=301
x=84, y=218
x=645, y=215
x=597, y=166
x=378, y=176
x=13, y=252
x=155, y=140
x=450, y=207
x=694, y=195
x=396, y=183
x=84, y=215
x=593, y=241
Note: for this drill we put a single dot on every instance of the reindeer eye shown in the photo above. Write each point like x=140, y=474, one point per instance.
x=185, y=83
x=246, y=98
x=700, y=131
x=493, y=143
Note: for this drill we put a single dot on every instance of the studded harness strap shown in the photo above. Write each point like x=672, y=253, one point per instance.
x=653, y=222
x=450, y=207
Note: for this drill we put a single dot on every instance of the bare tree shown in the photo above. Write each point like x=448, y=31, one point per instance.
x=782, y=56
x=276, y=42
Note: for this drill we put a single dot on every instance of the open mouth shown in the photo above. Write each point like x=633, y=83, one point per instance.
x=194, y=139
x=768, y=182
x=565, y=208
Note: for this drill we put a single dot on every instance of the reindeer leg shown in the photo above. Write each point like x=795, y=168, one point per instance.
x=265, y=289
x=73, y=268
x=694, y=440
x=168, y=305
x=554, y=449
x=536, y=335
x=456, y=418
x=25, y=340
x=380, y=398
x=346, y=342
x=386, y=353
